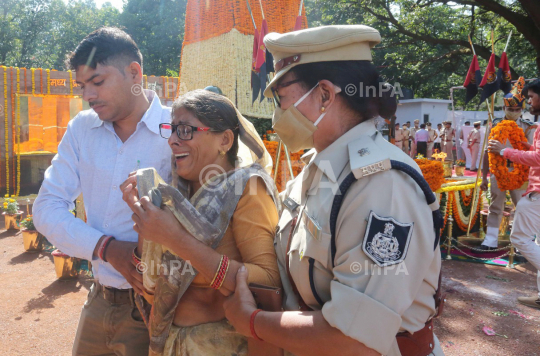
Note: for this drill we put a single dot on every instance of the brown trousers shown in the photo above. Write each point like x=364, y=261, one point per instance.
x=107, y=329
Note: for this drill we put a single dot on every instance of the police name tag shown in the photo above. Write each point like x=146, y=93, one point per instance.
x=366, y=158
x=386, y=240
x=290, y=204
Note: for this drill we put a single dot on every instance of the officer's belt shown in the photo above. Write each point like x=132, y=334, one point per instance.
x=421, y=343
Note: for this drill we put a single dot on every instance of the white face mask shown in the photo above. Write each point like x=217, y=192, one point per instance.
x=512, y=115
x=294, y=129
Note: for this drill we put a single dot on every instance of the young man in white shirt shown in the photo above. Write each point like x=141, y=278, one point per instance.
x=99, y=149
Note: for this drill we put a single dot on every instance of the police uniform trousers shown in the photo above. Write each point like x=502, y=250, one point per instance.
x=496, y=209
x=413, y=149
x=399, y=144
x=110, y=325
x=526, y=230
x=406, y=146
x=430, y=149
x=447, y=148
x=474, y=155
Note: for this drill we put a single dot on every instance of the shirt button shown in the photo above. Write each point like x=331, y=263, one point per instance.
x=114, y=187
x=121, y=151
x=106, y=225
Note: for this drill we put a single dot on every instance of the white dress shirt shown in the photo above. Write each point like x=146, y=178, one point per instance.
x=93, y=160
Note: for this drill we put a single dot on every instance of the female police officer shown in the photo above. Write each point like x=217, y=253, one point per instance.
x=356, y=243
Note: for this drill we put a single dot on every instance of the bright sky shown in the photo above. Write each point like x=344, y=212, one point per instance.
x=116, y=3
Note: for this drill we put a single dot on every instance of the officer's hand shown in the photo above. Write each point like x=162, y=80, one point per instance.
x=118, y=254
x=495, y=146
x=484, y=185
x=240, y=305
x=526, y=145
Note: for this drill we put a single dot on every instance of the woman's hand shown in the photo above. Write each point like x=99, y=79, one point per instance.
x=240, y=305
x=151, y=222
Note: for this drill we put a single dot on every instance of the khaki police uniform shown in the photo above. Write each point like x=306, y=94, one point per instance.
x=382, y=275
x=498, y=197
x=447, y=143
x=432, y=136
x=406, y=137
x=473, y=142
x=398, y=141
x=363, y=300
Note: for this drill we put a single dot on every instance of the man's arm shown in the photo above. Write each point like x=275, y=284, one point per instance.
x=528, y=158
x=60, y=188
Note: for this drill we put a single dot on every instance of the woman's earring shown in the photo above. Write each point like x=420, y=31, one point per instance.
x=222, y=153
x=323, y=109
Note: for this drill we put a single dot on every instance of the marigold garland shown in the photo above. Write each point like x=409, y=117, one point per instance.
x=466, y=196
x=70, y=82
x=12, y=77
x=283, y=175
x=18, y=135
x=48, y=81
x=506, y=180
x=461, y=216
x=433, y=172
x=6, y=128
x=32, y=70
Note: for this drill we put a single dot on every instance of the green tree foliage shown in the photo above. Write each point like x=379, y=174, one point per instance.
x=40, y=33
x=158, y=28
x=425, y=46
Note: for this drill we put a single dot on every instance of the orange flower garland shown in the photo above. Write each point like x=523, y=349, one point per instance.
x=283, y=175
x=457, y=218
x=433, y=172
x=508, y=130
x=466, y=198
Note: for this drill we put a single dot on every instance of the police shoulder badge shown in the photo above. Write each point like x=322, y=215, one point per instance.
x=386, y=240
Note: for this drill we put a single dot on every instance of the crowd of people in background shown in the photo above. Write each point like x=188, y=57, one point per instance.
x=524, y=234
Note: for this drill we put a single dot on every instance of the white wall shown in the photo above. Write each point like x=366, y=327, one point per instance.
x=437, y=112
x=410, y=110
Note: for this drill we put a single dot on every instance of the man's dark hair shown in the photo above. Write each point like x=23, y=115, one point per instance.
x=107, y=46
x=467, y=122
x=422, y=126
x=534, y=86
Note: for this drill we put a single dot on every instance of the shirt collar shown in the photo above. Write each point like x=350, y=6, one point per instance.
x=335, y=157
x=152, y=116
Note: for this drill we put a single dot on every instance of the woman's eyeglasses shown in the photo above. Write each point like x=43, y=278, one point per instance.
x=281, y=86
x=184, y=132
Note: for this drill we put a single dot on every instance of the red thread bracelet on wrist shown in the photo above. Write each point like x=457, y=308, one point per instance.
x=102, y=246
x=105, y=245
x=252, y=325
